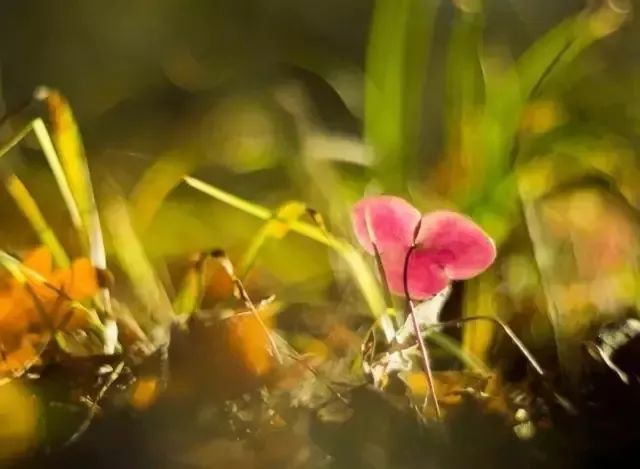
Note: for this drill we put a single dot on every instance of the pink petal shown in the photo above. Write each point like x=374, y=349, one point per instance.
x=425, y=278
x=392, y=221
x=456, y=243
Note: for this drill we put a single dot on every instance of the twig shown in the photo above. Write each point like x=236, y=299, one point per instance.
x=93, y=410
x=221, y=257
x=507, y=330
x=294, y=355
x=517, y=342
x=426, y=363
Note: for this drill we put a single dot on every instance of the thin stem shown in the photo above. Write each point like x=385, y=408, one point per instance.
x=512, y=335
x=294, y=355
x=222, y=258
x=523, y=349
x=49, y=150
x=229, y=199
x=449, y=345
x=247, y=301
x=95, y=405
x=378, y=258
x=5, y=147
x=390, y=310
x=360, y=271
x=426, y=363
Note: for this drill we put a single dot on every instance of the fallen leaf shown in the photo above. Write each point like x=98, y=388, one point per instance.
x=32, y=310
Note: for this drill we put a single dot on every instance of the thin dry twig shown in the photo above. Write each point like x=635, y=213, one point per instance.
x=424, y=352
x=221, y=257
x=93, y=410
x=516, y=341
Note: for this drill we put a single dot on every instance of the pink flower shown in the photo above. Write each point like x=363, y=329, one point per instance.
x=447, y=245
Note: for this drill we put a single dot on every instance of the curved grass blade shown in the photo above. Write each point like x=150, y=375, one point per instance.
x=28, y=206
x=39, y=129
x=275, y=228
x=155, y=184
x=358, y=267
x=65, y=155
x=68, y=142
x=562, y=44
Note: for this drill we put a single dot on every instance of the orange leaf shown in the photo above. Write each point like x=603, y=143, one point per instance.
x=145, y=393
x=227, y=357
x=28, y=313
x=39, y=260
x=23, y=355
x=80, y=281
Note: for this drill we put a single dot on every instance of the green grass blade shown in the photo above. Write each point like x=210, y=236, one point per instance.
x=133, y=260
x=79, y=201
x=419, y=31
x=15, y=138
x=463, y=99
x=67, y=153
x=397, y=57
x=31, y=211
x=508, y=87
x=155, y=184
x=70, y=149
x=275, y=228
x=17, y=270
x=50, y=153
x=562, y=44
x=360, y=270
x=229, y=199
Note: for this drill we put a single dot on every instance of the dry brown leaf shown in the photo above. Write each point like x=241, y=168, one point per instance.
x=228, y=357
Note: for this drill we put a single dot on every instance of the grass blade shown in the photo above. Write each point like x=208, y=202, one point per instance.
x=158, y=314
x=358, y=267
x=396, y=61
x=276, y=228
x=71, y=171
x=33, y=214
x=155, y=184
x=463, y=99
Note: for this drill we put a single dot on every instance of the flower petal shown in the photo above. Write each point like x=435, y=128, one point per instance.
x=456, y=243
x=425, y=278
x=392, y=222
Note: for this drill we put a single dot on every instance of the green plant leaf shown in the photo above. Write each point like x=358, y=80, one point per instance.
x=33, y=214
x=397, y=58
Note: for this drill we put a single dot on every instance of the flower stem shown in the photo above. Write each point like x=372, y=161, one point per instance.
x=424, y=352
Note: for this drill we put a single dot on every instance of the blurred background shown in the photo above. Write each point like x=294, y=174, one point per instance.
x=524, y=115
